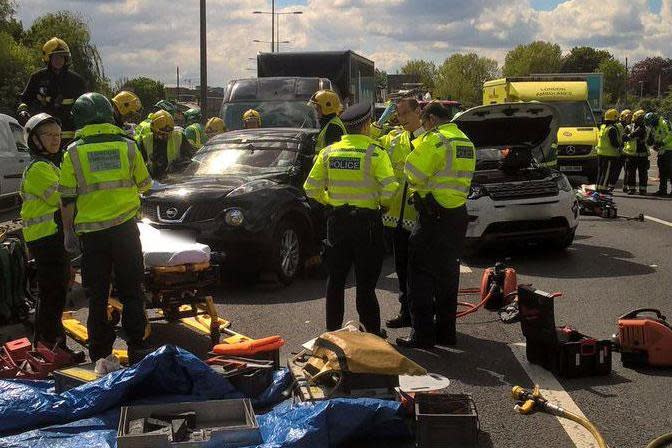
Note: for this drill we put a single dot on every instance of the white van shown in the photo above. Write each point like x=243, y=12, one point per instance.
x=14, y=158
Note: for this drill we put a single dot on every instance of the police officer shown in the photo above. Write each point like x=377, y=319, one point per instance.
x=164, y=147
x=194, y=132
x=101, y=178
x=127, y=107
x=53, y=89
x=440, y=169
x=42, y=228
x=608, y=152
x=636, y=155
x=327, y=104
x=400, y=217
x=354, y=178
x=214, y=126
x=251, y=119
x=660, y=139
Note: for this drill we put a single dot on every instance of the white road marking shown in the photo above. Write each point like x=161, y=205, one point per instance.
x=463, y=270
x=659, y=221
x=553, y=391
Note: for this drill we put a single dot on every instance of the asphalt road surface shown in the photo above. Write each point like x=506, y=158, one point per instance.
x=614, y=266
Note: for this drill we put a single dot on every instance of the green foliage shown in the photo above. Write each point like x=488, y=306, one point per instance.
x=381, y=78
x=645, y=74
x=614, y=80
x=75, y=32
x=535, y=57
x=425, y=69
x=584, y=60
x=17, y=64
x=148, y=90
x=461, y=77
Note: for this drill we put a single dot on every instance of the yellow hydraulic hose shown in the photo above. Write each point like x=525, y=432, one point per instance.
x=528, y=402
x=660, y=441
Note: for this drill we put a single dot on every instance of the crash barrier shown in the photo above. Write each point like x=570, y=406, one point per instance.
x=32, y=415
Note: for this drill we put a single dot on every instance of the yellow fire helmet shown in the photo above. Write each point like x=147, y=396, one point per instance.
x=126, y=102
x=162, y=122
x=215, y=126
x=327, y=101
x=611, y=115
x=251, y=114
x=625, y=113
x=638, y=115
x=55, y=46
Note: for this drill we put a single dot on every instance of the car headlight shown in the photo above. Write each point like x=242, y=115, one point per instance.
x=563, y=183
x=234, y=217
x=477, y=191
x=250, y=187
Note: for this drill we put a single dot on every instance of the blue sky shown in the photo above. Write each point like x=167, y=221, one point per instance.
x=152, y=37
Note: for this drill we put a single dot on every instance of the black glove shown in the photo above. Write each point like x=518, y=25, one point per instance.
x=24, y=116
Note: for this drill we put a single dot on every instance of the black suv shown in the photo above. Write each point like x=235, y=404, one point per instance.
x=243, y=196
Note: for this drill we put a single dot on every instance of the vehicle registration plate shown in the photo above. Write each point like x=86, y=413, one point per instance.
x=571, y=169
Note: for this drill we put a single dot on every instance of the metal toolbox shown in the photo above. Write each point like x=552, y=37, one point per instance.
x=230, y=423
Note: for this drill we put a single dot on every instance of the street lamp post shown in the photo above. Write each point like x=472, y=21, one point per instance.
x=204, y=65
x=275, y=42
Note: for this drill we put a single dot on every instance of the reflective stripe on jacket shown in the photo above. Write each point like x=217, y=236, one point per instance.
x=355, y=171
x=442, y=163
x=39, y=191
x=105, y=172
x=398, y=146
x=321, y=137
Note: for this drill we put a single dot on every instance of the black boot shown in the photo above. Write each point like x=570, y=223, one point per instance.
x=410, y=342
x=401, y=320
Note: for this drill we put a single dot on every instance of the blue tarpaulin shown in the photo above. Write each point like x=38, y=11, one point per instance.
x=32, y=415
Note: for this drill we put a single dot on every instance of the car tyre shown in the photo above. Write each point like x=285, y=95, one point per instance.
x=287, y=251
x=564, y=242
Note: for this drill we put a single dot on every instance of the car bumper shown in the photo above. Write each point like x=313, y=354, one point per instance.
x=523, y=219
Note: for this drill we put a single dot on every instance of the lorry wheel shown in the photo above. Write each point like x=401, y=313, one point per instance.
x=287, y=252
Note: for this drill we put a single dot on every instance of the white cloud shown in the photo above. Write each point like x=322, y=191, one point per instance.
x=152, y=37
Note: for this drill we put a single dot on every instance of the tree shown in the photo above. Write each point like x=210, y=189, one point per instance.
x=461, y=77
x=75, y=32
x=584, y=60
x=614, y=79
x=536, y=57
x=381, y=79
x=148, y=90
x=647, y=72
x=17, y=64
x=8, y=23
x=426, y=70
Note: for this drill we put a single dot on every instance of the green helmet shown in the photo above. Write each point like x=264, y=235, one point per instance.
x=651, y=119
x=167, y=106
x=192, y=115
x=92, y=108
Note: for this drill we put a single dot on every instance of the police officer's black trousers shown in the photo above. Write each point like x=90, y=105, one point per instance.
x=608, y=169
x=637, y=166
x=665, y=169
x=434, y=250
x=115, y=249
x=354, y=238
x=400, y=245
x=53, y=275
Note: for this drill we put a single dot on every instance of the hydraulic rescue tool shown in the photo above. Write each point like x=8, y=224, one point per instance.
x=644, y=339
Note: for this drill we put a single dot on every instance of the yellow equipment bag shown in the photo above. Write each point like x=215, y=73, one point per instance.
x=357, y=352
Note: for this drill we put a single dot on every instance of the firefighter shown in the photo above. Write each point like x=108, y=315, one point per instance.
x=101, y=178
x=636, y=155
x=163, y=147
x=251, y=119
x=127, y=107
x=43, y=229
x=354, y=179
x=400, y=217
x=214, y=126
x=608, y=152
x=194, y=131
x=624, y=120
x=660, y=139
x=145, y=126
x=53, y=89
x=328, y=106
x=439, y=169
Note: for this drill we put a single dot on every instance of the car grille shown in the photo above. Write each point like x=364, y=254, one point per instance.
x=149, y=211
x=574, y=150
x=202, y=212
x=172, y=211
x=531, y=189
x=521, y=227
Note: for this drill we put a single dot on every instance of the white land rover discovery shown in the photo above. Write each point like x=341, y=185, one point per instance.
x=513, y=196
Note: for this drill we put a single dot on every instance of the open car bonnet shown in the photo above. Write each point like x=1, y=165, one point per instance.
x=519, y=126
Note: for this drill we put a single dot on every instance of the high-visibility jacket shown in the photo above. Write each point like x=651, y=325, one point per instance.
x=442, y=163
x=321, y=142
x=143, y=128
x=605, y=147
x=397, y=143
x=355, y=171
x=104, y=171
x=661, y=136
x=195, y=134
x=39, y=191
x=172, y=147
x=620, y=127
x=635, y=145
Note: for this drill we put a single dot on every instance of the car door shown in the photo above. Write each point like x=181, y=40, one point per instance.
x=14, y=157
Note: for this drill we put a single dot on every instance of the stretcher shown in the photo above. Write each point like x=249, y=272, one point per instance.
x=177, y=272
